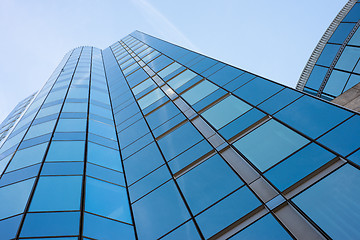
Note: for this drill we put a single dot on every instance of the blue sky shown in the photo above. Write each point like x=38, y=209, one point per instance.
x=273, y=39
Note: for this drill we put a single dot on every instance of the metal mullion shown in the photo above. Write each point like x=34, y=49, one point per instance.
x=45, y=154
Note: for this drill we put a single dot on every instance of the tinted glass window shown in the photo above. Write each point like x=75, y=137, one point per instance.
x=273, y=141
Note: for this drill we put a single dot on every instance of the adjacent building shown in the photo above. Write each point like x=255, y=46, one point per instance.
x=148, y=140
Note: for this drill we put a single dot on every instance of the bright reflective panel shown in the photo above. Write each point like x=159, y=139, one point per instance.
x=273, y=142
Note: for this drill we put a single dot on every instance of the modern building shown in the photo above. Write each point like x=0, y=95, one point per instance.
x=334, y=67
x=148, y=140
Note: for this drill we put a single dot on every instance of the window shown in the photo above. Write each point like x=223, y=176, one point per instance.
x=298, y=166
x=336, y=82
x=348, y=58
x=149, y=182
x=104, y=156
x=149, y=158
x=198, y=92
x=71, y=125
x=51, y=224
x=225, y=111
x=169, y=69
x=27, y=157
x=142, y=86
x=58, y=193
x=159, y=212
x=179, y=140
x=203, y=186
x=181, y=79
x=15, y=197
x=107, y=200
x=333, y=203
x=227, y=211
x=265, y=228
x=269, y=144
x=150, y=98
x=316, y=116
x=345, y=138
x=75, y=151
x=97, y=227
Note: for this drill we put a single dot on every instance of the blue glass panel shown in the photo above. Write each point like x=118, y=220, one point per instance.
x=198, y=92
x=348, y=58
x=72, y=136
x=227, y=211
x=206, y=101
x=240, y=124
x=179, y=140
x=101, y=129
x=353, y=80
x=353, y=15
x=298, y=166
x=336, y=195
x=181, y=79
x=27, y=157
x=336, y=83
x=101, y=228
x=51, y=224
x=159, y=212
x=148, y=183
x=168, y=125
x=142, y=162
x=63, y=168
x=105, y=174
x=9, y=227
x=169, y=69
x=190, y=155
x=138, y=144
x=204, y=64
x=266, y=228
x=355, y=157
x=150, y=98
x=328, y=54
x=15, y=197
x=225, y=75
x=71, y=125
x=162, y=115
x=345, y=138
x=213, y=69
x=341, y=33
x=239, y=81
x=279, y=100
x=257, y=90
x=107, y=199
x=19, y=175
x=225, y=111
x=142, y=86
x=75, y=151
x=133, y=132
x=355, y=39
x=104, y=156
x=57, y=194
x=316, y=116
x=316, y=77
x=187, y=231
x=273, y=142
x=203, y=186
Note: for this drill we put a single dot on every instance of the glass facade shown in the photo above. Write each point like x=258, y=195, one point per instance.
x=148, y=140
x=334, y=65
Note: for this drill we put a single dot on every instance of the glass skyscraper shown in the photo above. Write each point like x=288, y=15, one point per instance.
x=148, y=140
